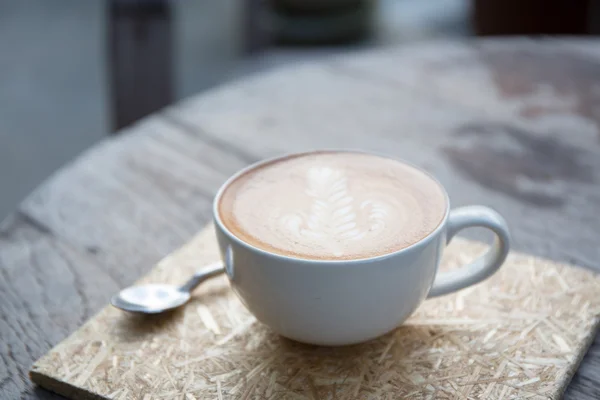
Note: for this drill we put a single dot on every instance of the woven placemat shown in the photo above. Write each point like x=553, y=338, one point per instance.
x=521, y=334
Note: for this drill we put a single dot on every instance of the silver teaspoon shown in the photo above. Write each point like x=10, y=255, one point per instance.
x=156, y=298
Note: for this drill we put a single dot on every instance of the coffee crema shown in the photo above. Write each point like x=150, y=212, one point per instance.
x=332, y=206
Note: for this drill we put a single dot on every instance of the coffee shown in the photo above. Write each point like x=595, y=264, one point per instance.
x=332, y=206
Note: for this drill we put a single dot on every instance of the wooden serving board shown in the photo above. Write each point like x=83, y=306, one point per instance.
x=519, y=335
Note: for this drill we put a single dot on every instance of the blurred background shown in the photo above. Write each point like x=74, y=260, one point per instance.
x=74, y=72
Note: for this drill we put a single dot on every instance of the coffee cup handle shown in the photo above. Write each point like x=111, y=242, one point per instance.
x=482, y=267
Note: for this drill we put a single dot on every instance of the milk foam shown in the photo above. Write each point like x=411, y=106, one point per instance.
x=333, y=205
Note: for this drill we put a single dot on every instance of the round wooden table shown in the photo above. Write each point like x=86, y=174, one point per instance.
x=512, y=124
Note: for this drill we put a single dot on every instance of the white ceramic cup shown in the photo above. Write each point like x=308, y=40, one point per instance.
x=339, y=302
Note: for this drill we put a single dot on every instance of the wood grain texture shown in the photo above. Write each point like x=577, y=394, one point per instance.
x=519, y=334
x=498, y=158
x=155, y=183
x=44, y=295
x=477, y=114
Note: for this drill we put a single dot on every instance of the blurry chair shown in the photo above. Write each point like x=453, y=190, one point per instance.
x=141, y=54
x=535, y=17
x=140, y=49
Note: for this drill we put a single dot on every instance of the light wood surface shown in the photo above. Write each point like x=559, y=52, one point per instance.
x=520, y=334
x=511, y=124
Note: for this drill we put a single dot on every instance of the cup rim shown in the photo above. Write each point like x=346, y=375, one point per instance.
x=423, y=242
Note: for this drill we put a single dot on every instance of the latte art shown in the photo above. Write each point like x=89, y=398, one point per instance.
x=332, y=205
x=334, y=214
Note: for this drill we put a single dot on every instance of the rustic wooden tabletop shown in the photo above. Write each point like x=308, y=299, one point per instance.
x=512, y=124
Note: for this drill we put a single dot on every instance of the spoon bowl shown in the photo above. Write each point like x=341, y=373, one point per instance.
x=155, y=298
x=150, y=299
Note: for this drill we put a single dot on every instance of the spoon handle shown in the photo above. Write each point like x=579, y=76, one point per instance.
x=201, y=275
